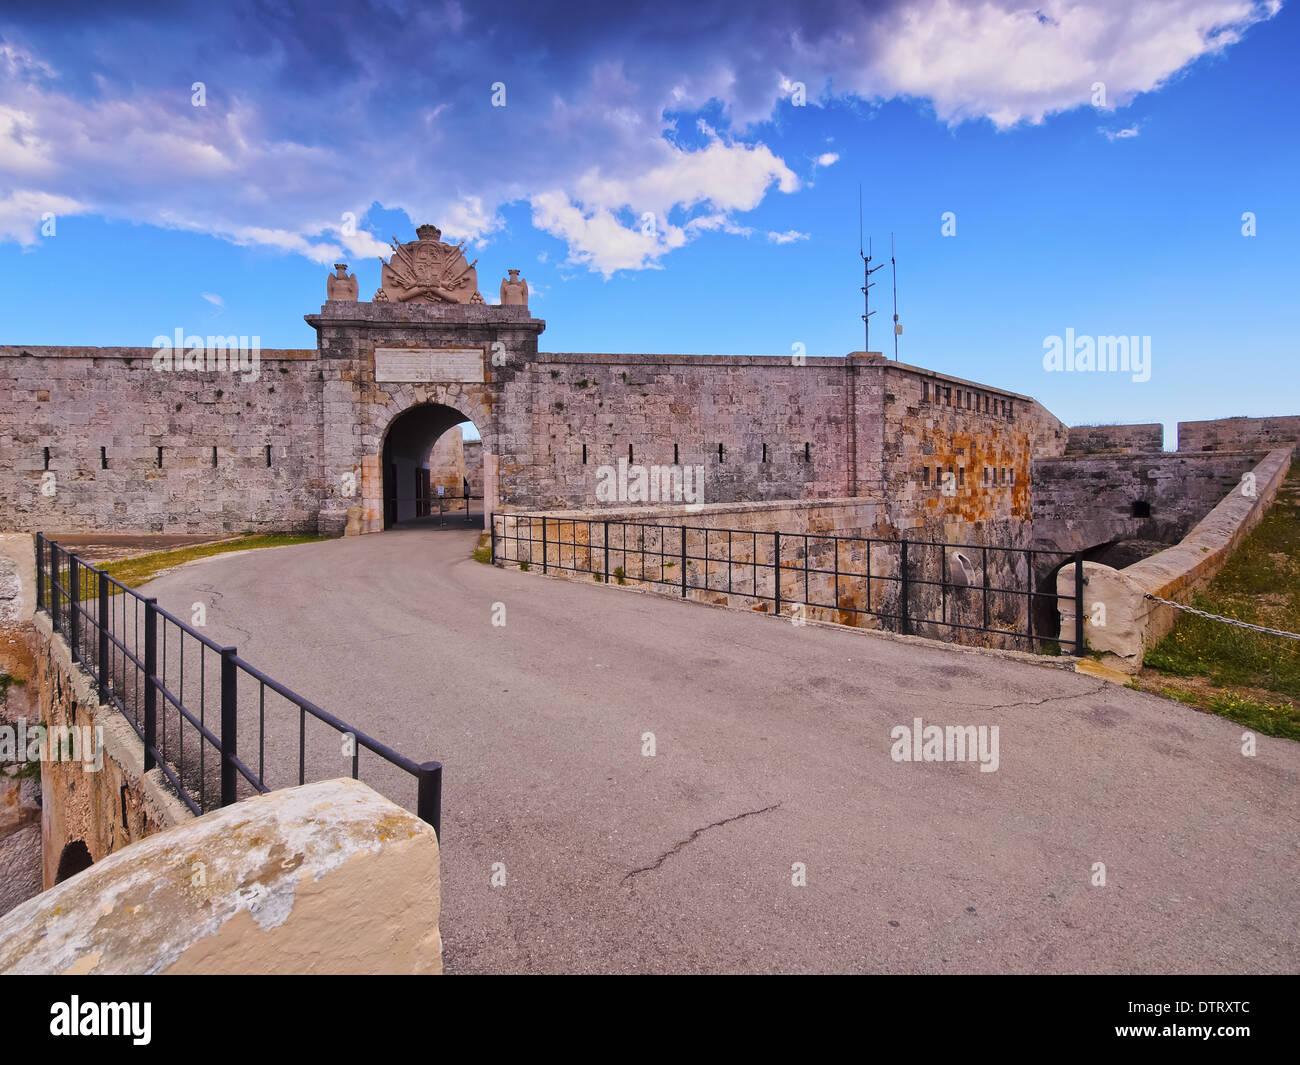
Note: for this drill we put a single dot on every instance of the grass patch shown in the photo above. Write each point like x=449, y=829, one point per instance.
x=141, y=569
x=483, y=551
x=1255, y=677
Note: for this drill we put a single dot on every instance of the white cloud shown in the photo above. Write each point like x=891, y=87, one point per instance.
x=23, y=211
x=590, y=139
x=213, y=299
x=1120, y=134
x=788, y=237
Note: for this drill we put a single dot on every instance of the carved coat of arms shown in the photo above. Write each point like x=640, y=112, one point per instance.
x=428, y=271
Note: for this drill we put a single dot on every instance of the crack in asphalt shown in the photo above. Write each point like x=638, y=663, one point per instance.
x=692, y=838
x=1101, y=686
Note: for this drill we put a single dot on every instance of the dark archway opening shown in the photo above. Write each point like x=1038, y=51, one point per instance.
x=422, y=486
x=75, y=858
x=1114, y=553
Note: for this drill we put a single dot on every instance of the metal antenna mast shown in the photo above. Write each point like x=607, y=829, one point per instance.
x=898, y=329
x=867, y=283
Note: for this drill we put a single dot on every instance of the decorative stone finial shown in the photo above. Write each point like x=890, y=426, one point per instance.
x=514, y=290
x=428, y=232
x=340, y=285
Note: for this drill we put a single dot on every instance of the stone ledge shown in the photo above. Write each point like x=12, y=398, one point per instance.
x=326, y=878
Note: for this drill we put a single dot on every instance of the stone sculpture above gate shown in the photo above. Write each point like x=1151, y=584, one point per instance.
x=427, y=270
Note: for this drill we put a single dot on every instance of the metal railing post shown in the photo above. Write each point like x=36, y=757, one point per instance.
x=40, y=571
x=606, y=552
x=428, y=803
x=1078, y=603
x=1029, y=601
x=150, y=683
x=103, y=667
x=54, y=586
x=905, y=624
x=776, y=570
x=492, y=525
x=706, y=553
x=74, y=598
x=544, y=552
x=229, y=724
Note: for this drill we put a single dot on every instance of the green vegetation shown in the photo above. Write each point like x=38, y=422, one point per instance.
x=483, y=551
x=619, y=575
x=141, y=569
x=524, y=567
x=1252, y=671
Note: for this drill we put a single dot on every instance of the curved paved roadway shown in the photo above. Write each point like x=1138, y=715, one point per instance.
x=772, y=747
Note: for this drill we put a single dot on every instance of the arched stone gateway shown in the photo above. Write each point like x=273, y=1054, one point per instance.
x=407, y=451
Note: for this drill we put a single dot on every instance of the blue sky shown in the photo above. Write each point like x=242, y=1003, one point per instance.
x=1124, y=218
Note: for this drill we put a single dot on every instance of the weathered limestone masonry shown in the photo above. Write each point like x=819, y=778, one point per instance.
x=1132, y=624
x=1083, y=502
x=87, y=811
x=97, y=439
x=1125, y=439
x=1231, y=434
x=321, y=879
x=851, y=427
x=105, y=438
x=485, y=350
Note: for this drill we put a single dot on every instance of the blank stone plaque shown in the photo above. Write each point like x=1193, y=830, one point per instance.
x=426, y=365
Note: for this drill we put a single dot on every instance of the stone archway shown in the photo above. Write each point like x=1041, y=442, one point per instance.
x=405, y=455
x=419, y=415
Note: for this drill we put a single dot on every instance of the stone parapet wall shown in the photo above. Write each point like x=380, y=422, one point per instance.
x=1132, y=623
x=81, y=429
x=328, y=878
x=1109, y=439
x=1235, y=434
x=103, y=809
x=840, y=562
x=1083, y=501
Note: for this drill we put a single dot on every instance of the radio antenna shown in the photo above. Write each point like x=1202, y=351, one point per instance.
x=898, y=329
x=867, y=283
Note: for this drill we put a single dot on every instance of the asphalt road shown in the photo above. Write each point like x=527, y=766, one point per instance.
x=772, y=747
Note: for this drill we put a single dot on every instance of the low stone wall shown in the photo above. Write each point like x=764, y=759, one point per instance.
x=1082, y=501
x=85, y=809
x=1233, y=434
x=1121, y=439
x=1131, y=623
x=828, y=569
x=20, y=806
x=327, y=878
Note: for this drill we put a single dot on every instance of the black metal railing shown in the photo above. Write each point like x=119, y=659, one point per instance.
x=148, y=663
x=915, y=587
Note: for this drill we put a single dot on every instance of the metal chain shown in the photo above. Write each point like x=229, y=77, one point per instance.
x=1230, y=621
